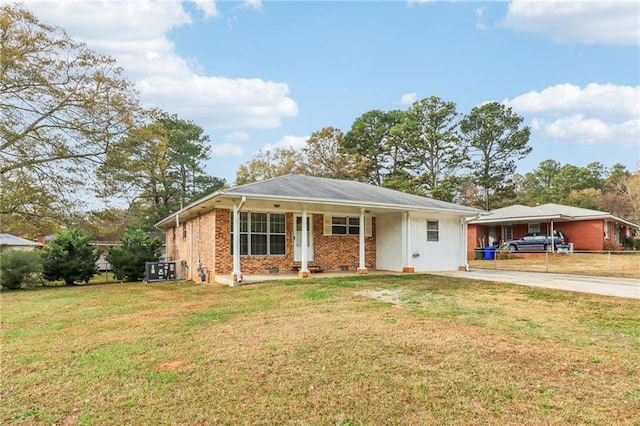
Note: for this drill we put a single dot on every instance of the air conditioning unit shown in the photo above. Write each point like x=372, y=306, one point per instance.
x=164, y=271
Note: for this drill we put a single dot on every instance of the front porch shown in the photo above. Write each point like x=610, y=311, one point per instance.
x=259, y=278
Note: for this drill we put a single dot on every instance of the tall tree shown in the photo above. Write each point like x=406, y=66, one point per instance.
x=497, y=139
x=325, y=156
x=61, y=105
x=571, y=178
x=633, y=192
x=375, y=137
x=617, y=179
x=433, y=147
x=159, y=168
x=269, y=164
x=538, y=183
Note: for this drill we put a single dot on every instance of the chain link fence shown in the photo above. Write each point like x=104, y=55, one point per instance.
x=621, y=263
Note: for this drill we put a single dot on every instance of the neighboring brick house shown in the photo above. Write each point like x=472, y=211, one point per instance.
x=586, y=229
x=270, y=221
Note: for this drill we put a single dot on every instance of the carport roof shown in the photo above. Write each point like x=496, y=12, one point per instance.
x=316, y=190
x=520, y=213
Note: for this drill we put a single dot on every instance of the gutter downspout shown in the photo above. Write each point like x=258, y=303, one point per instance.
x=236, y=275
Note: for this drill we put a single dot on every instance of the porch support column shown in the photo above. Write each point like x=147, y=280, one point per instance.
x=236, y=275
x=304, y=265
x=362, y=266
x=407, y=250
x=464, y=245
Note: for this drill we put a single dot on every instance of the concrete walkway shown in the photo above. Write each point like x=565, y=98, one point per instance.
x=607, y=286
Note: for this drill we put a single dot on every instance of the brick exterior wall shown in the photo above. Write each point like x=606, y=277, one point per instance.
x=211, y=233
x=332, y=252
x=584, y=234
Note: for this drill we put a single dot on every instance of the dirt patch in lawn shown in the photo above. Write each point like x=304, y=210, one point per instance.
x=389, y=296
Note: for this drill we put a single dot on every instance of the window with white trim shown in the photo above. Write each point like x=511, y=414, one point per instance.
x=261, y=234
x=346, y=225
x=433, y=232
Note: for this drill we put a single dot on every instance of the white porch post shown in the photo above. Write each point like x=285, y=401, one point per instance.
x=362, y=268
x=465, y=244
x=236, y=275
x=408, y=266
x=304, y=265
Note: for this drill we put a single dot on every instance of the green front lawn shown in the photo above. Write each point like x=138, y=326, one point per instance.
x=411, y=349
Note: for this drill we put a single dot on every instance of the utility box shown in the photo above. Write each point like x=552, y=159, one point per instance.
x=162, y=271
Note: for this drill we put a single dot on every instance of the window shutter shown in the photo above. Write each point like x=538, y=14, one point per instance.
x=327, y=225
x=368, y=226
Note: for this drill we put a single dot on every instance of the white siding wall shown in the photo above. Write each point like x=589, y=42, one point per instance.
x=443, y=255
x=389, y=242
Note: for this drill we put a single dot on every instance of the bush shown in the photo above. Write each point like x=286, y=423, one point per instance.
x=128, y=259
x=70, y=257
x=609, y=245
x=18, y=267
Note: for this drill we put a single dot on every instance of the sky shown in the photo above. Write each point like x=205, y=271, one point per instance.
x=257, y=75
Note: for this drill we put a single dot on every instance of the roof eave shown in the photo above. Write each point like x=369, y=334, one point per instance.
x=363, y=204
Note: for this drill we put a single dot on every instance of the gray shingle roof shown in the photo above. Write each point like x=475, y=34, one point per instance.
x=324, y=191
x=318, y=189
x=12, y=240
x=545, y=211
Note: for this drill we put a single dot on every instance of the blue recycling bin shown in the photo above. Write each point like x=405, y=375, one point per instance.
x=489, y=253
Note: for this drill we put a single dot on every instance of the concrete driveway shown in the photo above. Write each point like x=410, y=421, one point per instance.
x=607, y=286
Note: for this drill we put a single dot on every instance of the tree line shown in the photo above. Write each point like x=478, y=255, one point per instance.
x=431, y=150
x=428, y=149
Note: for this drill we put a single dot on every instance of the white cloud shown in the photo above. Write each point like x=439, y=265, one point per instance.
x=226, y=150
x=237, y=137
x=590, y=22
x=208, y=7
x=288, y=141
x=409, y=98
x=603, y=114
x=592, y=131
x=606, y=100
x=480, y=11
x=135, y=32
x=253, y=4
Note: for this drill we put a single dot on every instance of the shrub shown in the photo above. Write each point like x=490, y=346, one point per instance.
x=18, y=267
x=609, y=245
x=70, y=257
x=128, y=259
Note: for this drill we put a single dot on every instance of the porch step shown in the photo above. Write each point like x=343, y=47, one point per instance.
x=312, y=267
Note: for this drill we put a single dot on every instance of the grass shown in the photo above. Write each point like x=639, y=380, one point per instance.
x=618, y=264
x=319, y=352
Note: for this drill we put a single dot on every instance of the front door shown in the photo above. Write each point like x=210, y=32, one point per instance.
x=297, y=239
